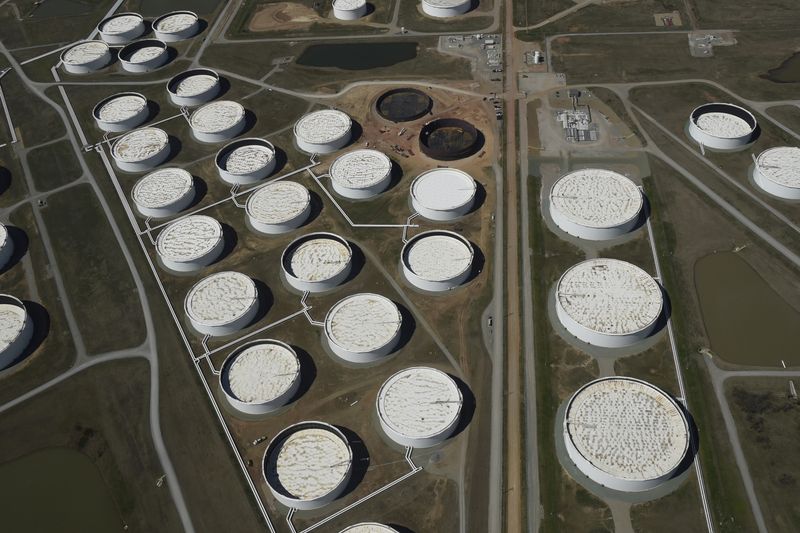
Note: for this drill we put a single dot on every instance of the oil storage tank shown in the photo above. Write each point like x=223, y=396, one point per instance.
x=218, y=121
x=194, y=87
x=16, y=329
x=777, y=171
x=121, y=112
x=222, y=303
x=86, y=57
x=176, y=26
x=190, y=243
x=363, y=328
x=246, y=161
x=317, y=262
x=437, y=260
x=141, y=149
x=446, y=8
x=163, y=192
x=143, y=56
x=443, y=194
x=349, y=9
x=323, y=132
x=121, y=28
x=6, y=246
x=278, y=207
x=722, y=126
x=361, y=174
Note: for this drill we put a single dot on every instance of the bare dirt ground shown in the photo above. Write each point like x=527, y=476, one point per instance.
x=283, y=15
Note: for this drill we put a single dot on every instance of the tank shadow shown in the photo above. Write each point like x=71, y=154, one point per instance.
x=467, y=406
x=308, y=372
x=361, y=459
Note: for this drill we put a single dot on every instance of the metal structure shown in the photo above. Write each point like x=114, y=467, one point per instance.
x=143, y=56
x=722, y=126
x=194, y=87
x=86, y=57
x=245, y=161
x=218, y=121
x=141, y=150
x=278, y=207
x=16, y=329
x=164, y=192
x=363, y=328
x=437, y=260
x=222, y=303
x=443, y=194
x=777, y=171
x=121, y=28
x=317, y=262
x=176, y=26
x=361, y=174
x=323, y=132
x=121, y=112
x=190, y=243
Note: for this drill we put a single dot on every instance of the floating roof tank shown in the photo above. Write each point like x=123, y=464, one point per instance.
x=218, y=121
x=121, y=28
x=308, y=465
x=121, y=112
x=176, y=26
x=144, y=56
x=260, y=376
x=16, y=329
x=222, y=303
x=164, y=192
x=317, y=262
x=363, y=328
x=437, y=260
x=361, y=174
x=141, y=149
x=596, y=204
x=194, y=87
x=625, y=434
x=323, y=132
x=777, y=171
x=443, y=194
x=608, y=302
x=419, y=407
x=369, y=527
x=349, y=9
x=446, y=8
x=6, y=246
x=190, y=243
x=722, y=126
x=246, y=161
x=278, y=207
x=86, y=57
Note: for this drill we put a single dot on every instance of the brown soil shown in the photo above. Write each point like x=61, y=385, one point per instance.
x=283, y=16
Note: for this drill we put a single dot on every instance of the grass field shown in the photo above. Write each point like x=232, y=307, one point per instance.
x=412, y=18
x=53, y=165
x=749, y=14
x=787, y=115
x=677, y=511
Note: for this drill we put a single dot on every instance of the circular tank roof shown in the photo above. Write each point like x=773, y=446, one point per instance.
x=278, y=202
x=143, y=51
x=369, y=527
x=175, y=22
x=140, y=145
x=319, y=259
x=610, y=296
x=596, y=198
x=439, y=257
x=360, y=169
x=349, y=5
x=781, y=165
x=217, y=116
x=121, y=23
x=262, y=372
x=12, y=320
x=221, y=298
x=247, y=158
x=323, y=126
x=363, y=322
x=193, y=82
x=121, y=107
x=442, y=189
x=627, y=428
x=445, y=3
x=724, y=121
x=85, y=52
x=189, y=238
x=419, y=402
x=310, y=462
x=3, y=235
x=162, y=187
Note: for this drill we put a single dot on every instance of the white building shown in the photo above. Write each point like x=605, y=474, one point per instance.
x=437, y=260
x=317, y=262
x=190, y=243
x=278, y=207
x=363, y=328
x=777, y=171
x=443, y=194
x=722, y=126
x=222, y=303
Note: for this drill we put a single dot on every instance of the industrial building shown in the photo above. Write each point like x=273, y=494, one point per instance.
x=176, y=26
x=361, y=174
x=121, y=28
x=222, y=303
x=317, y=262
x=722, y=126
x=121, y=112
x=349, y=9
x=323, y=132
x=446, y=8
x=16, y=329
x=308, y=465
x=596, y=204
x=419, y=407
x=278, y=207
x=260, y=376
x=143, y=56
x=437, y=260
x=218, y=121
x=369, y=527
x=141, y=150
x=777, y=171
x=625, y=434
x=608, y=302
x=245, y=161
x=363, y=328
x=190, y=243
x=164, y=192
x=443, y=194
x=194, y=87
x=86, y=57
x=6, y=246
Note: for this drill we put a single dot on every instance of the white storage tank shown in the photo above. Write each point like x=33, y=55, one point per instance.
x=16, y=329
x=596, y=204
x=260, y=377
x=190, y=243
x=419, y=407
x=446, y=8
x=369, y=527
x=349, y=9
x=308, y=465
x=164, y=192
x=608, y=302
x=6, y=246
x=363, y=328
x=218, y=121
x=222, y=303
x=361, y=174
x=141, y=150
x=278, y=207
x=323, y=132
x=144, y=56
x=777, y=171
x=86, y=57
x=437, y=260
x=317, y=262
x=246, y=161
x=121, y=112
x=121, y=28
x=176, y=26
x=722, y=126
x=443, y=194
x=194, y=87
x=625, y=434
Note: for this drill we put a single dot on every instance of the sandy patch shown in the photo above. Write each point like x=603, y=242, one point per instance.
x=282, y=16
